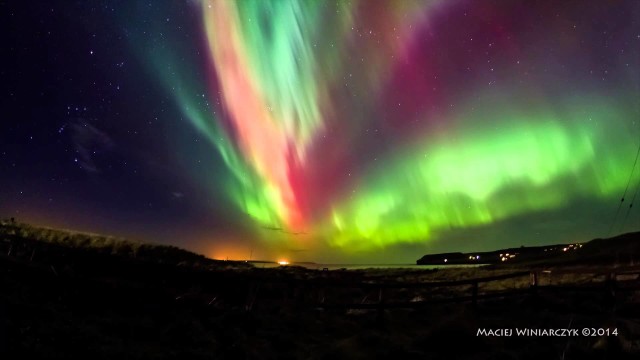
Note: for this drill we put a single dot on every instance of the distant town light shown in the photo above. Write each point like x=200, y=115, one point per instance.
x=283, y=262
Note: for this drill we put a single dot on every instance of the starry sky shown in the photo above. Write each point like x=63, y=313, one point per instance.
x=328, y=131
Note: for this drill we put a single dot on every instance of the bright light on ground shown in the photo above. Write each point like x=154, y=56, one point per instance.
x=283, y=262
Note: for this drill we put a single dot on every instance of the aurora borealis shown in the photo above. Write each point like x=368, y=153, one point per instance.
x=368, y=130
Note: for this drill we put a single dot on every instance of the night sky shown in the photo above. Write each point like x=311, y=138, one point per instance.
x=329, y=131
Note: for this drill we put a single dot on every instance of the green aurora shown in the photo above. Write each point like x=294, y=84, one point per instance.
x=290, y=90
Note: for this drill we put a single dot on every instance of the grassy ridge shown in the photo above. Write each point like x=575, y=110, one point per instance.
x=24, y=239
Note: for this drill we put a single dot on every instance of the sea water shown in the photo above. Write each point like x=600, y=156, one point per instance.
x=316, y=266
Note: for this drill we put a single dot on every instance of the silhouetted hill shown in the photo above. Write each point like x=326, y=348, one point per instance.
x=624, y=248
x=19, y=239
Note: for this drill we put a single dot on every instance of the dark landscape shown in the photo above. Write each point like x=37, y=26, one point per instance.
x=74, y=295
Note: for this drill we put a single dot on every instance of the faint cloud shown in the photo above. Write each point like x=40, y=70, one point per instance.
x=89, y=142
x=177, y=195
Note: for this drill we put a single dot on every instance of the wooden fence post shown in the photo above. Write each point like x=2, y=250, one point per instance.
x=613, y=284
x=380, y=304
x=474, y=294
x=533, y=283
x=610, y=288
x=251, y=296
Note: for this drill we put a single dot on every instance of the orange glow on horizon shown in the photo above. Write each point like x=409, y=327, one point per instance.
x=229, y=253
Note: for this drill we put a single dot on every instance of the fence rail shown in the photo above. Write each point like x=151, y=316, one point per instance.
x=609, y=287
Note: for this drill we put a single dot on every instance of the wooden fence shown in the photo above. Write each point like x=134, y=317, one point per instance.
x=609, y=287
